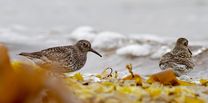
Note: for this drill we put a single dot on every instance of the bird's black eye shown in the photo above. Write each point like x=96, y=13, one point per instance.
x=186, y=43
x=85, y=45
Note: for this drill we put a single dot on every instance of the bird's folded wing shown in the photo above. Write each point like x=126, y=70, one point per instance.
x=56, y=53
x=169, y=57
x=61, y=55
x=166, y=58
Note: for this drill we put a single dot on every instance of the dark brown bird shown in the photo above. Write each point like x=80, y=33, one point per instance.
x=179, y=59
x=64, y=58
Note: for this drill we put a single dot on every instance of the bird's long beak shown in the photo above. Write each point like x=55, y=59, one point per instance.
x=92, y=50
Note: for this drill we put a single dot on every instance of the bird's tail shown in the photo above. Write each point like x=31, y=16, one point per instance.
x=31, y=55
x=24, y=54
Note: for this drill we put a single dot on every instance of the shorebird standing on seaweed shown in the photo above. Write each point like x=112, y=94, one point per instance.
x=179, y=59
x=63, y=58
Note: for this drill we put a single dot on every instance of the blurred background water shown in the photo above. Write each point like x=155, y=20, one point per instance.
x=31, y=25
x=161, y=17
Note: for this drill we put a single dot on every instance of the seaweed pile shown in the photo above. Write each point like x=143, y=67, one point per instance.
x=162, y=87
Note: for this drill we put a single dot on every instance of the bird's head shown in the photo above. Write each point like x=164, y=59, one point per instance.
x=85, y=46
x=182, y=42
